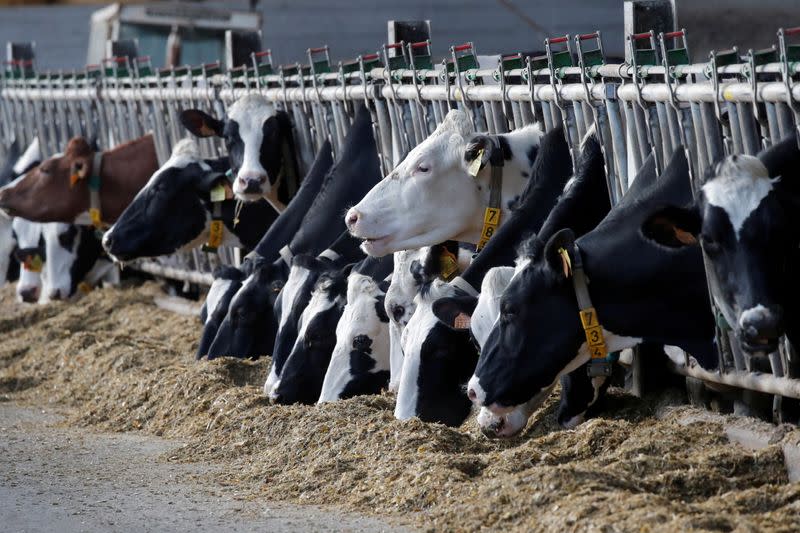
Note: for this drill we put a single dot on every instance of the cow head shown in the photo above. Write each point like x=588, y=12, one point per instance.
x=71, y=252
x=292, y=301
x=50, y=192
x=254, y=135
x=30, y=253
x=360, y=360
x=227, y=282
x=439, y=191
x=304, y=371
x=745, y=231
x=249, y=327
x=170, y=213
x=438, y=357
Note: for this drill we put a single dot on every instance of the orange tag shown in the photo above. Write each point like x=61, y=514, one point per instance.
x=33, y=263
x=462, y=321
x=73, y=179
x=84, y=287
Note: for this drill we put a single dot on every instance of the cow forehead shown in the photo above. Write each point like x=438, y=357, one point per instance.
x=250, y=112
x=740, y=187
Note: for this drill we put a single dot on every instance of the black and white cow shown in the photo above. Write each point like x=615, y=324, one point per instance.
x=173, y=212
x=301, y=379
x=268, y=256
x=432, y=196
x=31, y=255
x=260, y=145
x=16, y=165
x=641, y=291
x=439, y=355
x=296, y=295
x=360, y=361
x=353, y=175
x=745, y=217
x=74, y=258
x=414, y=269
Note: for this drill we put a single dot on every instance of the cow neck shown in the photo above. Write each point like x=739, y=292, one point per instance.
x=600, y=362
x=122, y=172
x=491, y=215
x=93, y=184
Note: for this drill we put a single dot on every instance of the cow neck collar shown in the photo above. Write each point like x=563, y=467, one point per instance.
x=93, y=183
x=491, y=215
x=600, y=362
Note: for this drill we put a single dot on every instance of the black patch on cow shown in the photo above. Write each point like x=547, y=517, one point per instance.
x=532, y=153
x=502, y=142
x=364, y=380
x=66, y=239
x=380, y=309
x=88, y=251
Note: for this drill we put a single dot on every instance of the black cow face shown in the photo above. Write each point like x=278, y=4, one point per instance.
x=170, y=213
x=439, y=357
x=227, y=282
x=254, y=136
x=293, y=300
x=249, y=327
x=537, y=336
x=303, y=374
x=741, y=221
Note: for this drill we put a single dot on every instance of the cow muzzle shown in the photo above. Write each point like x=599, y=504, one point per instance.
x=251, y=184
x=760, y=327
x=29, y=294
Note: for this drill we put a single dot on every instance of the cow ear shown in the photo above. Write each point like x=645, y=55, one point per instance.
x=559, y=252
x=455, y=312
x=675, y=227
x=201, y=124
x=477, y=153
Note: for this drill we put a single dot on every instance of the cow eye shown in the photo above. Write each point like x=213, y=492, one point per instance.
x=710, y=246
x=422, y=168
x=507, y=313
x=397, y=312
x=361, y=342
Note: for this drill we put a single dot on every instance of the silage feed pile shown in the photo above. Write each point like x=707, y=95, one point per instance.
x=115, y=362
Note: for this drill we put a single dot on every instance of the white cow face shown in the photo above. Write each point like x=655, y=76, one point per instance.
x=30, y=255
x=428, y=198
x=360, y=361
x=61, y=243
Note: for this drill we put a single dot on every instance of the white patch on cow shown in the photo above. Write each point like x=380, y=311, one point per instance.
x=250, y=112
x=430, y=196
x=31, y=155
x=218, y=289
x=395, y=355
x=296, y=279
x=741, y=184
x=487, y=311
x=358, y=318
x=59, y=259
x=414, y=335
x=755, y=314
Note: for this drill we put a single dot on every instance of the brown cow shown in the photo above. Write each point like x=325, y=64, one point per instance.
x=58, y=190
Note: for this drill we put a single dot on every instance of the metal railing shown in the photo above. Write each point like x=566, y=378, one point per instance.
x=733, y=103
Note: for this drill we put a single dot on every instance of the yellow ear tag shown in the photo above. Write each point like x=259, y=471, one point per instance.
x=566, y=262
x=215, y=234
x=73, y=179
x=84, y=287
x=218, y=193
x=475, y=165
x=33, y=263
x=94, y=216
x=448, y=265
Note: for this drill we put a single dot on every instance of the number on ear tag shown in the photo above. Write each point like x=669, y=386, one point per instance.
x=475, y=165
x=218, y=193
x=448, y=265
x=215, y=234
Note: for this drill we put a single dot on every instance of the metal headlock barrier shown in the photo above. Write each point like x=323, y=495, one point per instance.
x=654, y=103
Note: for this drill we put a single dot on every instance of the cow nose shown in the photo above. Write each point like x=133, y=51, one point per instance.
x=276, y=397
x=55, y=294
x=29, y=294
x=472, y=395
x=352, y=218
x=252, y=181
x=761, y=326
